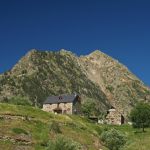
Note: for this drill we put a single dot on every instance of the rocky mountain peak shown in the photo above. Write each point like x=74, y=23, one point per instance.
x=31, y=52
x=96, y=53
x=96, y=76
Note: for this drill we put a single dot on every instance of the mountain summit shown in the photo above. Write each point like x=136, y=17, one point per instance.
x=96, y=76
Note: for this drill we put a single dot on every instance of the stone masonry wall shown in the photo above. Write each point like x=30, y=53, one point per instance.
x=113, y=118
x=65, y=107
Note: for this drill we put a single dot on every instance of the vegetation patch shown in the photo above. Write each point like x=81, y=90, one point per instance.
x=46, y=128
x=55, y=127
x=113, y=139
x=19, y=131
x=63, y=143
x=140, y=116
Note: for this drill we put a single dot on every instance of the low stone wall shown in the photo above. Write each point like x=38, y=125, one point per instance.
x=21, y=139
x=14, y=117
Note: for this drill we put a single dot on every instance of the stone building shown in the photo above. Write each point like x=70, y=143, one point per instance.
x=114, y=117
x=63, y=104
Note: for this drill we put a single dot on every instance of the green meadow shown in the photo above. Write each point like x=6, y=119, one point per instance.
x=25, y=127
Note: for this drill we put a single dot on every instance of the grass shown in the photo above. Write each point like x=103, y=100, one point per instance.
x=39, y=127
x=136, y=139
x=19, y=131
x=25, y=111
x=40, y=131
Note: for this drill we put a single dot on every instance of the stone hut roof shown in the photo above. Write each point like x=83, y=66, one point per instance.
x=61, y=99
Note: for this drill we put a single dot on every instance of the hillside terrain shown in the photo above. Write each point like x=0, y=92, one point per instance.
x=28, y=128
x=95, y=77
x=121, y=87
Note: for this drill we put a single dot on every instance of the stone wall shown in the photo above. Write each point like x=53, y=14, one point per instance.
x=65, y=107
x=114, y=117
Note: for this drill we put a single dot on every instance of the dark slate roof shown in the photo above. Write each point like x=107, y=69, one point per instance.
x=60, y=99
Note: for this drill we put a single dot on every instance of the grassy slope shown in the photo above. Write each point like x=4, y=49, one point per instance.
x=136, y=139
x=79, y=129
x=38, y=128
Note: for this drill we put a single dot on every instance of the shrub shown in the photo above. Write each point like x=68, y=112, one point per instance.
x=88, y=108
x=110, y=88
x=63, y=143
x=54, y=127
x=113, y=139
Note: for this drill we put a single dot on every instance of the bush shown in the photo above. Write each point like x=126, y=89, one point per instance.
x=110, y=88
x=54, y=127
x=113, y=139
x=63, y=143
x=88, y=108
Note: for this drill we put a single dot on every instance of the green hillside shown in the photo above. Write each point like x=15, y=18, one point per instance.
x=40, y=74
x=28, y=128
x=31, y=128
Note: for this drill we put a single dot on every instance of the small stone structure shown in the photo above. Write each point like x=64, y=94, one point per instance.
x=114, y=117
x=63, y=104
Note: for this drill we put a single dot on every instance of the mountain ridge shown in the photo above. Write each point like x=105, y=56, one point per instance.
x=96, y=76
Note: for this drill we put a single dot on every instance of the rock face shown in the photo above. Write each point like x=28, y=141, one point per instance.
x=96, y=76
x=122, y=88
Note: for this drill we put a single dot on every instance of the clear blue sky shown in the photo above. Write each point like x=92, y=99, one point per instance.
x=120, y=28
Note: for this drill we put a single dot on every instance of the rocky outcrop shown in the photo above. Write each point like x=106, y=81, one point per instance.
x=121, y=87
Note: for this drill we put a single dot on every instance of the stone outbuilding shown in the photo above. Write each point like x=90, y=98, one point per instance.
x=114, y=117
x=63, y=104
